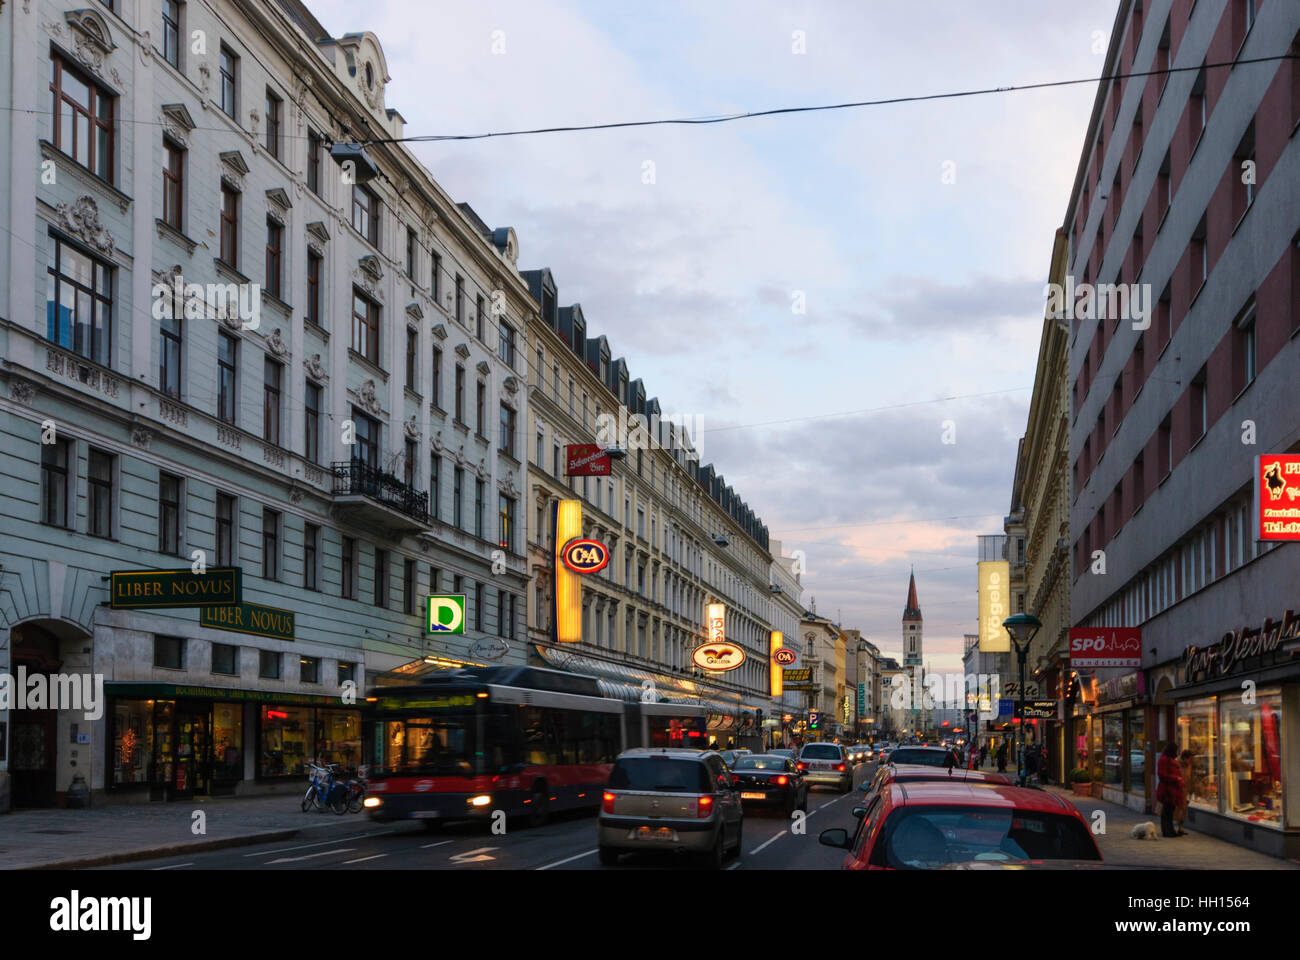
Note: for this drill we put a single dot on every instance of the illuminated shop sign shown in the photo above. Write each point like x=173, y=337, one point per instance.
x=1277, y=496
x=586, y=460
x=781, y=656
x=1222, y=658
x=718, y=656
x=446, y=613
x=994, y=606
x=1105, y=646
x=585, y=556
x=566, y=531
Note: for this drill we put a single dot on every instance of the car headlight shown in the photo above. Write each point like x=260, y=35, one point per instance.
x=371, y=802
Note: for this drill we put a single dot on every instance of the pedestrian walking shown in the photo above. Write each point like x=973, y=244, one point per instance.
x=1031, y=761
x=1180, y=812
x=1170, y=792
x=1002, y=757
x=984, y=752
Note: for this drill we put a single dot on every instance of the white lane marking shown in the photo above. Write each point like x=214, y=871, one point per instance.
x=174, y=866
x=823, y=806
x=321, y=843
x=765, y=844
x=472, y=856
x=364, y=859
x=568, y=860
x=438, y=844
x=312, y=856
x=733, y=866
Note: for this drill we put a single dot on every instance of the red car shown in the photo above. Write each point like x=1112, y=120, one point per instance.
x=933, y=825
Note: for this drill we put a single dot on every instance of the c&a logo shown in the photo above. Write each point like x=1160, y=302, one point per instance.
x=585, y=556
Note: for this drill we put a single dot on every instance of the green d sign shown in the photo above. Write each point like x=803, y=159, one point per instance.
x=446, y=613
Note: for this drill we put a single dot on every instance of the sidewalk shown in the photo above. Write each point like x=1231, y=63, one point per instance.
x=118, y=833
x=1196, y=851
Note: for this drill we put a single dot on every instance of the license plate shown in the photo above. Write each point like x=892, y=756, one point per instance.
x=652, y=833
x=821, y=765
x=753, y=796
x=425, y=814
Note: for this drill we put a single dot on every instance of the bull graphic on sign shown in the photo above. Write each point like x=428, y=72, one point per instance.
x=1273, y=480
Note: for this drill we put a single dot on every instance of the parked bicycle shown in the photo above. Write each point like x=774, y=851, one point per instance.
x=324, y=791
x=327, y=788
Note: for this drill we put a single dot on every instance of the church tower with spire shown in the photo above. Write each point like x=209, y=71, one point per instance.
x=912, y=631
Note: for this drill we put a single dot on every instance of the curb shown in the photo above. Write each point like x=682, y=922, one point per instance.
x=155, y=853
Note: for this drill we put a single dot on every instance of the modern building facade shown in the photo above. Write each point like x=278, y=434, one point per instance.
x=1189, y=186
x=223, y=350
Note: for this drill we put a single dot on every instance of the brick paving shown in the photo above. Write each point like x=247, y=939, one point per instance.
x=115, y=833
x=1196, y=851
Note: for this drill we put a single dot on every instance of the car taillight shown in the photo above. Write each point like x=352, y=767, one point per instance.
x=840, y=768
x=801, y=766
x=704, y=806
x=607, y=802
x=782, y=780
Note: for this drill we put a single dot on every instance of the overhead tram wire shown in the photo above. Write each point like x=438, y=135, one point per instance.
x=778, y=111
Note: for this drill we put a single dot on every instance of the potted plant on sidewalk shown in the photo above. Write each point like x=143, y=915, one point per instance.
x=1098, y=782
x=1081, y=782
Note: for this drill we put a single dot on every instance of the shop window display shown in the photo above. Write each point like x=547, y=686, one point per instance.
x=1112, y=732
x=1137, y=751
x=340, y=738
x=1197, y=733
x=1251, y=734
x=228, y=741
x=133, y=733
x=288, y=740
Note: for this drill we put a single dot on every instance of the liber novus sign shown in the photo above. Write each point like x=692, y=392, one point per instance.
x=145, y=589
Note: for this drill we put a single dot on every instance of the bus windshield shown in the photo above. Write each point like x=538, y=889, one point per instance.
x=442, y=745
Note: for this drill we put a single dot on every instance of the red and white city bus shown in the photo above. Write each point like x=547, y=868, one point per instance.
x=465, y=743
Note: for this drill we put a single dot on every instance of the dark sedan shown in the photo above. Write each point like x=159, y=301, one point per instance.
x=767, y=780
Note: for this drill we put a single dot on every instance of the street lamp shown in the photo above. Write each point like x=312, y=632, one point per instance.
x=1023, y=628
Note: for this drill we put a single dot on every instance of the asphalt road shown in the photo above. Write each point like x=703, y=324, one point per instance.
x=568, y=842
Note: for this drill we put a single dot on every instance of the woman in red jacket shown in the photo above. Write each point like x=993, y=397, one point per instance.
x=1170, y=791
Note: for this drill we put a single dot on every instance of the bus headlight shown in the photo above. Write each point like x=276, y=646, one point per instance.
x=371, y=802
x=482, y=800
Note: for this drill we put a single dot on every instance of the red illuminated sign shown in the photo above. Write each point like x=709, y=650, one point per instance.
x=785, y=656
x=586, y=460
x=585, y=556
x=1106, y=647
x=1277, y=495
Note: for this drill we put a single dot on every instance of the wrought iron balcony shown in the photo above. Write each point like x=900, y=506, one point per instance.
x=366, y=495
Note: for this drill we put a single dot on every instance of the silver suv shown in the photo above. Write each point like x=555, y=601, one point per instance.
x=826, y=763
x=671, y=799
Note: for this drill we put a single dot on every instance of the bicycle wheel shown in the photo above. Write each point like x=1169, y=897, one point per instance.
x=356, y=797
x=307, y=799
x=338, y=799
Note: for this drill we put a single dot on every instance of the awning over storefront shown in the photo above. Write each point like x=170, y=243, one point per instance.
x=174, y=691
x=623, y=681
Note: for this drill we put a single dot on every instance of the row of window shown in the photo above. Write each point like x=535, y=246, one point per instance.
x=170, y=653
x=1216, y=548
x=58, y=482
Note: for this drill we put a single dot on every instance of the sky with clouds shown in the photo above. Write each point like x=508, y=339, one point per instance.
x=829, y=422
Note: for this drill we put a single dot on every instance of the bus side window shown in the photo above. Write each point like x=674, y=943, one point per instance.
x=535, y=745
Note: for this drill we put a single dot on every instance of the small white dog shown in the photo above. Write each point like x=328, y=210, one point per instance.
x=1145, y=831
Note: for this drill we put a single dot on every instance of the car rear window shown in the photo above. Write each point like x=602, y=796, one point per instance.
x=929, y=837
x=820, y=751
x=761, y=763
x=666, y=774
x=922, y=756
